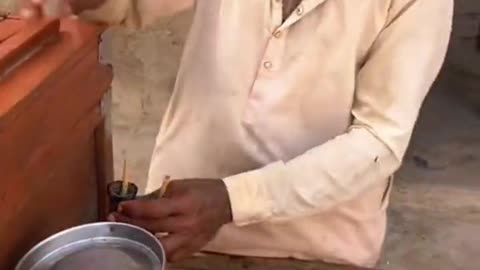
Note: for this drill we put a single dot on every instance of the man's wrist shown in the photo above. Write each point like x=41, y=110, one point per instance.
x=249, y=197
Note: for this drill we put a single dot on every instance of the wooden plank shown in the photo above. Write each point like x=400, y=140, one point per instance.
x=104, y=156
x=63, y=110
x=74, y=42
x=217, y=262
x=25, y=42
x=47, y=143
x=46, y=122
x=60, y=192
x=9, y=27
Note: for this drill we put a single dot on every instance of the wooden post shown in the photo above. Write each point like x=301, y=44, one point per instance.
x=104, y=156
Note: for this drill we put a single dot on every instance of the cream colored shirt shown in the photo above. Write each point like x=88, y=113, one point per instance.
x=306, y=120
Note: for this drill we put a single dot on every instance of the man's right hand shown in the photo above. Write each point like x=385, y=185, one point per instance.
x=35, y=8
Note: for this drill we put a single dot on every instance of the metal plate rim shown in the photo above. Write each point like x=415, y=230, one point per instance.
x=69, y=231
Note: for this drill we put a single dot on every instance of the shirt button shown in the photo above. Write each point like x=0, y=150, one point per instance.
x=267, y=64
x=300, y=10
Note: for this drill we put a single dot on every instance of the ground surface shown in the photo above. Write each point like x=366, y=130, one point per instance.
x=435, y=211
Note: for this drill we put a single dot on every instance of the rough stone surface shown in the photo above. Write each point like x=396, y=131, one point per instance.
x=145, y=65
x=435, y=212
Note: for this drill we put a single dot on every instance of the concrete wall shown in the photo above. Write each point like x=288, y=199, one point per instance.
x=145, y=65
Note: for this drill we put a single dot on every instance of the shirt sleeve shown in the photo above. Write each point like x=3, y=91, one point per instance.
x=135, y=13
x=391, y=86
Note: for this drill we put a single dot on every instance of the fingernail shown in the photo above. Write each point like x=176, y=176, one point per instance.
x=111, y=218
x=120, y=208
x=37, y=1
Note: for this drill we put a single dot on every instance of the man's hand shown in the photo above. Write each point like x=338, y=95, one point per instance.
x=34, y=8
x=191, y=212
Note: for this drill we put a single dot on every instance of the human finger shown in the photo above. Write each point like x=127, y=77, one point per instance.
x=172, y=243
x=149, y=225
x=148, y=209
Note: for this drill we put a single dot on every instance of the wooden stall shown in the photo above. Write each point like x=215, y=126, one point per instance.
x=55, y=144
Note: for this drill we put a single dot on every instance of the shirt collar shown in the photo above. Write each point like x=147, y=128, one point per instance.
x=304, y=8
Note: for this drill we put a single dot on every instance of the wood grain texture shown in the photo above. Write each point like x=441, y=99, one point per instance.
x=75, y=40
x=58, y=194
x=217, y=262
x=25, y=42
x=50, y=114
x=9, y=27
x=49, y=123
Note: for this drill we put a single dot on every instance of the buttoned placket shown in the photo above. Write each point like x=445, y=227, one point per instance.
x=275, y=46
x=271, y=62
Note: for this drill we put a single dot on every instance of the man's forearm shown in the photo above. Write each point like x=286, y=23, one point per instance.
x=313, y=182
x=131, y=13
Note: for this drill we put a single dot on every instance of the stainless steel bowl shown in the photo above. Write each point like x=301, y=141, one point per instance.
x=106, y=246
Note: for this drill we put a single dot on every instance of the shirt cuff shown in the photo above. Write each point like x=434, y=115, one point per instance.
x=249, y=198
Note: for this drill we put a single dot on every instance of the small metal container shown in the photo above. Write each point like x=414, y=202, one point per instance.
x=116, y=197
x=105, y=246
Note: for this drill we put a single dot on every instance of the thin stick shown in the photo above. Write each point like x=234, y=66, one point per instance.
x=164, y=187
x=124, y=179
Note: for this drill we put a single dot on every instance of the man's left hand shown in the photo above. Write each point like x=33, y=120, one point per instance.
x=191, y=212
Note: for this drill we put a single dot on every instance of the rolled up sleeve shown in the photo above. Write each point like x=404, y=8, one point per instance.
x=391, y=86
x=135, y=13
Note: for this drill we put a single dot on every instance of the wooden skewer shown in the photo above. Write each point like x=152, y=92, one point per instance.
x=159, y=192
x=124, y=179
x=164, y=187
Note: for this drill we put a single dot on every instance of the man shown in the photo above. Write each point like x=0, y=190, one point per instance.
x=287, y=122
